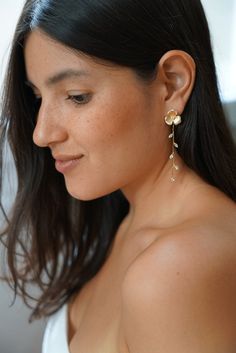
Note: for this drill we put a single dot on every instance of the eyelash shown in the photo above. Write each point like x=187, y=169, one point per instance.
x=75, y=100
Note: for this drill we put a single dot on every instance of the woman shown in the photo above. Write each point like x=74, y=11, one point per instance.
x=125, y=210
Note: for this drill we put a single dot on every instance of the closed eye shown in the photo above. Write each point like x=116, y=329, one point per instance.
x=80, y=98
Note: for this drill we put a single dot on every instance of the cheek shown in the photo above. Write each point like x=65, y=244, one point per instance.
x=120, y=144
x=105, y=125
x=126, y=130
x=118, y=137
x=114, y=128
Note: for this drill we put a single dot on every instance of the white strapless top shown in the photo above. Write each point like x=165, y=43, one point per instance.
x=56, y=333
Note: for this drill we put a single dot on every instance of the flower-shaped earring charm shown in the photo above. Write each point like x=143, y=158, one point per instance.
x=172, y=118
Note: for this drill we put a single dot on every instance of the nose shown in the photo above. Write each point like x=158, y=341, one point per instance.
x=48, y=129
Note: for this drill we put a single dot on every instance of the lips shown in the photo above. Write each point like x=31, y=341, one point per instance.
x=65, y=163
x=66, y=157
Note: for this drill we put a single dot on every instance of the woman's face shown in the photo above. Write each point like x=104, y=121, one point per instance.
x=106, y=114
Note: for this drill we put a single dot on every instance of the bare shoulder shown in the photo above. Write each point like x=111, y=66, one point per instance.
x=179, y=293
x=203, y=246
x=209, y=237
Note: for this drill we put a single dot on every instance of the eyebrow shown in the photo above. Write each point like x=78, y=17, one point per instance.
x=61, y=76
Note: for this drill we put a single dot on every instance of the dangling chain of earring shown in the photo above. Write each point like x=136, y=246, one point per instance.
x=172, y=118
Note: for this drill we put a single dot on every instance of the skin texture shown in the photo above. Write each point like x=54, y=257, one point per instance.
x=118, y=121
x=163, y=279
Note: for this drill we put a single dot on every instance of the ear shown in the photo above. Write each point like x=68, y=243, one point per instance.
x=177, y=71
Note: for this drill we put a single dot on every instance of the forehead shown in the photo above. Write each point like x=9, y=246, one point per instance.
x=43, y=53
x=45, y=56
x=49, y=63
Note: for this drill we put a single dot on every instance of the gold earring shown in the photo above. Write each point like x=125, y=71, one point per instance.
x=172, y=118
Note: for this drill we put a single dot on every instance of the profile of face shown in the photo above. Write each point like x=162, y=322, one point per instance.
x=106, y=114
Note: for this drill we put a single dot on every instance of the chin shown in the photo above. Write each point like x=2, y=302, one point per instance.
x=85, y=194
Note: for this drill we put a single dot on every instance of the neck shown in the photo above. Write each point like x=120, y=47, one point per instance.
x=157, y=201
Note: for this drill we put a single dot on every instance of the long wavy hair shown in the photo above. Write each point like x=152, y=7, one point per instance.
x=58, y=242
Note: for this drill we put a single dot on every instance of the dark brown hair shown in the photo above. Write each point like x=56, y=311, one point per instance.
x=52, y=239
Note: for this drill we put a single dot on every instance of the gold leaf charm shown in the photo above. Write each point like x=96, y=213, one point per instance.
x=176, y=167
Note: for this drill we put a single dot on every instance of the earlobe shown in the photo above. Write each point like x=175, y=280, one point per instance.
x=177, y=70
